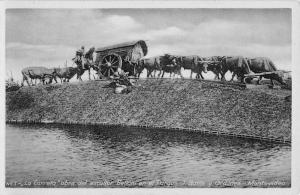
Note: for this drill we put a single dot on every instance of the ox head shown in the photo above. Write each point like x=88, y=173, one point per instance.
x=178, y=59
x=279, y=76
x=204, y=66
x=170, y=59
x=174, y=61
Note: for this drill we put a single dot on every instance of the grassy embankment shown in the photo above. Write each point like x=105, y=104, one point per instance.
x=180, y=104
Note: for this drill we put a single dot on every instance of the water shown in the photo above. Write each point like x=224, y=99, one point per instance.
x=60, y=156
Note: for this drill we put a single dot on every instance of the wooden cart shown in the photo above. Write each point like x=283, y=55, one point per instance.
x=124, y=55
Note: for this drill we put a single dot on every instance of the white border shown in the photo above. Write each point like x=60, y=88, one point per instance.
x=151, y=4
x=163, y=4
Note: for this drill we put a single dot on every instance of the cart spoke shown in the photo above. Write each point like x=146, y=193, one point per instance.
x=105, y=72
x=109, y=58
x=115, y=64
x=109, y=72
x=114, y=61
x=106, y=61
x=113, y=71
x=113, y=58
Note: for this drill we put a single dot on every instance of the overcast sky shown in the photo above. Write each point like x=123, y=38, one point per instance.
x=49, y=37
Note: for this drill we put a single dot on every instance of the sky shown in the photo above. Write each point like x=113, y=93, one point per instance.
x=50, y=37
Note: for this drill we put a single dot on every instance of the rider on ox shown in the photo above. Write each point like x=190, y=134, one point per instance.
x=79, y=62
x=78, y=59
x=79, y=55
x=88, y=61
x=84, y=61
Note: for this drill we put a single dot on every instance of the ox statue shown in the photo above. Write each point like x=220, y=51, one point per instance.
x=151, y=64
x=40, y=73
x=263, y=64
x=215, y=65
x=168, y=63
x=188, y=63
x=238, y=65
x=65, y=74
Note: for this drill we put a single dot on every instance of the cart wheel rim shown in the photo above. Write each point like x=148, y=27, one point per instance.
x=110, y=65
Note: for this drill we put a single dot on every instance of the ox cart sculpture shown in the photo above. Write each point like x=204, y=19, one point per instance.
x=124, y=56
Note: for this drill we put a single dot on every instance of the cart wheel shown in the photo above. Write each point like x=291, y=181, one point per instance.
x=110, y=65
x=247, y=80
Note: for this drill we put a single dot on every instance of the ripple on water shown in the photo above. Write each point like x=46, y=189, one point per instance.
x=138, y=155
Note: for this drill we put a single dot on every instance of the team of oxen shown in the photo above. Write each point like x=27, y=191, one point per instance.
x=239, y=66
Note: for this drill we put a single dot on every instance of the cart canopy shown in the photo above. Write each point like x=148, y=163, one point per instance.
x=126, y=45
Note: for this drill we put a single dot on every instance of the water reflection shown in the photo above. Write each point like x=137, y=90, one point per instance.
x=129, y=154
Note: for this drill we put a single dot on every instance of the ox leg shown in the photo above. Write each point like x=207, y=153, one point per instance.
x=216, y=76
x=163, y=73
x=54, y=79
x=22, y=84
x=201, y=76
x=148, y=73
x=181, y=76
x=153, y=73
x=26, y=79
x=233, y=75
x=272, y=82
x=223, y=78
x=159, y=74
x=79, y=75
x=223, y=75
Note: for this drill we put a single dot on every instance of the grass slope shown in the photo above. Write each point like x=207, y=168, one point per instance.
x=170, y=103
